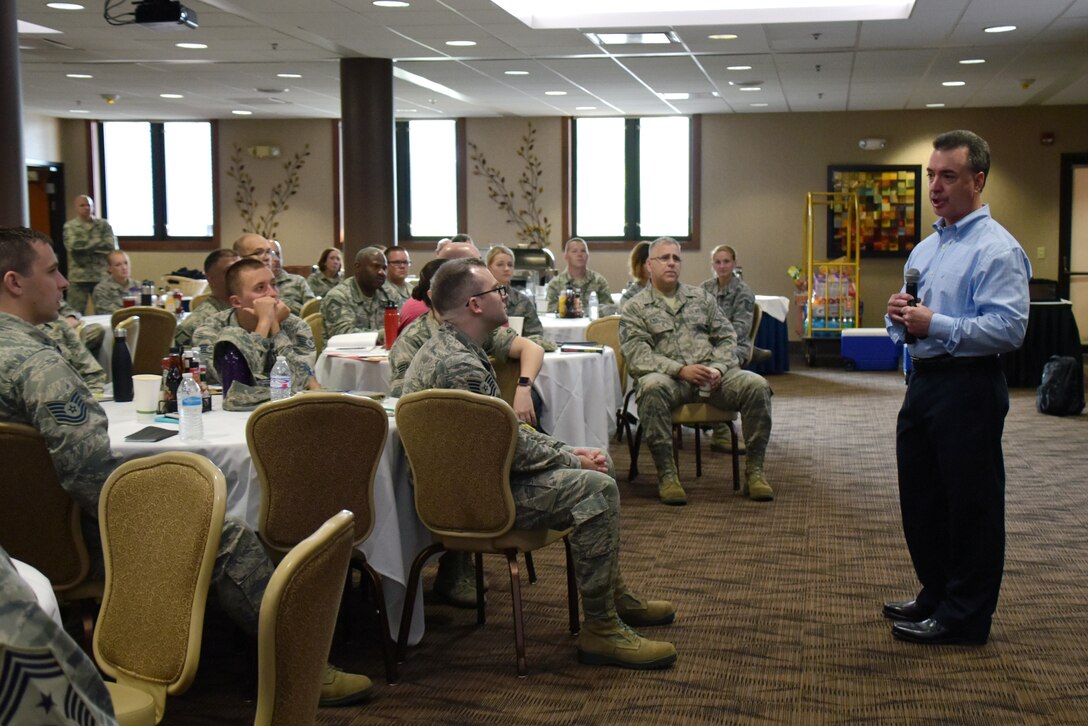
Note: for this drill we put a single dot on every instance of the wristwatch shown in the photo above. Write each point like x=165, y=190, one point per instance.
x=525, y=381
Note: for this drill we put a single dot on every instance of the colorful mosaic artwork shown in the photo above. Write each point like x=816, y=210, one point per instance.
x=888, y=201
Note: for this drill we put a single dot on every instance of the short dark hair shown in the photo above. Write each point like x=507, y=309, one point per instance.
x=234, y=272
x=639, y=254
x=451, y=283
x=17, y=249
x=325, y=258
x=978, y=151
x=419, y=292
x=462, y=238
x=215, y=255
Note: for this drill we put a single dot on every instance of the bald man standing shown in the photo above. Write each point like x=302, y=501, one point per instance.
x=358, y=303
x=89, y=241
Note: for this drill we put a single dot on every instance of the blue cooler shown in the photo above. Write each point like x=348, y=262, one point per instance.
x=869, y=349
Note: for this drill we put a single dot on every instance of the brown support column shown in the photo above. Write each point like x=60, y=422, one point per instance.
x=369, y=194
x=13, y=209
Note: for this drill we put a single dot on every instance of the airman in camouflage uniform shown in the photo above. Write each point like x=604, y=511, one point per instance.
x=400, y=295
x=553, y=485
x=109, y=295
x=634, y=287
x=294, y=290
x=73, y=350
x=358, y=303
x=88, y=240
x=321, y=285
x=215, y=271
x=520, y=305
x=56, y=681
x=204, y=312
x=675, y=340
x=423, y=329
x=581, y=279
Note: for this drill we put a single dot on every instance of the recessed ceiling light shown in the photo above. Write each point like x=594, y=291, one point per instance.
x=461, y=43
x=78, y=110
x=390, y=3
x=171, y=95
x=738, y=68
x=1000, y=28
x=516, y=73
x=759, y=105
x=585, y=108
x=240, y=112
x=715, y=94
x=555, y=93
x=192, y=46
x=64, y=6
x=406, y=110
x=952, y=84
x=751, y=88
x=655, y=38
x=972, y=61
x=288, y=75
x=674, y=96
x=934, y=105
x=78, y=75
x=722, y=36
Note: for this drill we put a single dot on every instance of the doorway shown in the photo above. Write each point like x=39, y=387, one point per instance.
x=1073, y=237
x=45, y=200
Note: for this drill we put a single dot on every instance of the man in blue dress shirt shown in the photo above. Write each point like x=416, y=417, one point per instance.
x=972, y=306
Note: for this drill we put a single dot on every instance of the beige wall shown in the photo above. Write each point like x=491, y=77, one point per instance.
x=756, y=169
x=41, y=137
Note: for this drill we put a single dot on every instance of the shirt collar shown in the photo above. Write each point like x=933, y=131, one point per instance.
x=955, y=230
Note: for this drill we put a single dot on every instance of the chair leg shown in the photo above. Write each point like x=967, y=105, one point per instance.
x=385, y=639
x=530, y=570
x=736, y=456
x=410, y=596
x=519, y=625
x=632, y=472
x=572, y=590
x=481, y=604
x=698, y=451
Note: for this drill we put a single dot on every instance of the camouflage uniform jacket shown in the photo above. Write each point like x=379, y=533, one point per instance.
x=419, y=332
x=450, y=359
x=320, y=285
x=656, y=339
x=89, y=244
x=50, y=678
x=400, y=294
x=294, y=341
x=109, y=296
x=75, y=353
x=38, y=388
x=738, y=303
x=294, y=292
x=347, y=310
x=183, y=336
x=593, y=282
x=518, y=304
x=634, y=287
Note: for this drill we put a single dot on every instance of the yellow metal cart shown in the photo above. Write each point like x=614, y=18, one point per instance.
x=834, y=286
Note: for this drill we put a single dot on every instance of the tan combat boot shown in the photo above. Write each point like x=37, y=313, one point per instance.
x=639, y=612
x=758, y=488
x=669, y=490
x=455, y=583
x=610, y=642
x=722, y=441
x=340, y=689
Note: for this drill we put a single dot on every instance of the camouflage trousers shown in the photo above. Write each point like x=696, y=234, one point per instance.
x=588, y=502
x=743, y=391
x=78, y=294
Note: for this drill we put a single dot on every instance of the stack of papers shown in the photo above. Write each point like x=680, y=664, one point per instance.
x=581, y=348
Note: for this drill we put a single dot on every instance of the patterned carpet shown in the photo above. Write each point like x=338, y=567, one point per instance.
x=778, y=604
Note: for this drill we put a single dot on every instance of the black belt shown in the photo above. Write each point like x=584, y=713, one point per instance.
x=946, y=362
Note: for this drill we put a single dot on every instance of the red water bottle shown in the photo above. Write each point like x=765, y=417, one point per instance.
x=392, y=322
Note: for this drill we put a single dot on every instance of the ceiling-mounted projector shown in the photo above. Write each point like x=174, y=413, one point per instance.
x=164, y=15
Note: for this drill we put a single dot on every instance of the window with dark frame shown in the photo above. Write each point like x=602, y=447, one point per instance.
x=158, y=182
x=632, y=178
x=427, y=179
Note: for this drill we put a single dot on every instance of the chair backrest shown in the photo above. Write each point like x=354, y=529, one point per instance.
x=460, y=446
x=506, y=375
x=156, y=336
x=606, y=331
x=315, y=453
x=198, y=300
x=298, y=616
x=316, y=321
x=310, y=307
x=131, y=326
x=160, y=518
x=757, y=318
x=39, y=523
x=188, y=285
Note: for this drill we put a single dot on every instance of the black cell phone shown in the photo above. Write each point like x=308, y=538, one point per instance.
x=149, y=434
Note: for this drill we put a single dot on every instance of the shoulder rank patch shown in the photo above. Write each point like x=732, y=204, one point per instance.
x=72, y=412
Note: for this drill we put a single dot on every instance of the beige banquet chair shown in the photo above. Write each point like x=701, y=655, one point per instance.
x=131, y=326
x=310, y=307
x=156, y=336
x=160, y=519
x=316, y=321
x=198, y=300
x=40, y=523
x=606, y=331
x=305, y=480
x=298, y=616
x=460, y=446
x=189, y=286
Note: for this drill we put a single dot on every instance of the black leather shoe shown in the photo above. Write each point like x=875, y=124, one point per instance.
x=931, y=632
x=907, y=610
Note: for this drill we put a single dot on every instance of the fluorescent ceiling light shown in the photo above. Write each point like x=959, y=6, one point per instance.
x=952, y=84
x=430, y=85
x=674, y=96
x=555, y=93
x=934, y=105
x=191, y=46
x=64, y=6
x=78, y=75
x=738, y=68
x=722, y=36
x=461, y=43
x=1000, y=29
x=541, y=14
x=288, y=75
x=406, y=110
x=759, y=105
x=585, y=108
x=654, y=38
x=972, y=61
x=33, y=29
x=516, y=73
x=240, y=112
x=390, y=3
x=78, y=110
x=750, y=88
x=171, y=95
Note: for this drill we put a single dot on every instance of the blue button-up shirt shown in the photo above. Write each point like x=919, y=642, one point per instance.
x=974, y=277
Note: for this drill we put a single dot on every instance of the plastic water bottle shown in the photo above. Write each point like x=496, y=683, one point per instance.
x=280, y=384
x=190, y=407
x=594, y=305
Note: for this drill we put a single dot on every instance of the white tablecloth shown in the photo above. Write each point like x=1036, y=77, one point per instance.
x=398, y=534
x=43, y=589
x=564, y=329
x=776, y=306
x=105, y=353
x=581, y=391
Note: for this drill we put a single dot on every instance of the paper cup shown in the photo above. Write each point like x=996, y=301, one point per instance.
x=516, y=322
x=145, y=388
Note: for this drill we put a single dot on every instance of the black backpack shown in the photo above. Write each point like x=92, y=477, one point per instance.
x=1062, y=391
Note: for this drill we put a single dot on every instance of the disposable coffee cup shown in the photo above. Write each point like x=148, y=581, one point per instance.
x=145, y=388
x=704, y=391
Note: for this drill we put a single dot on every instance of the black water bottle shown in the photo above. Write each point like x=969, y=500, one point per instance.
x=121, y=367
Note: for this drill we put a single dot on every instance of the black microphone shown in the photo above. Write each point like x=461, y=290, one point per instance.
x=911, y=278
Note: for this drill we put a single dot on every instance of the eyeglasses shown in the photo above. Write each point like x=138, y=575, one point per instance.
x=503, y=290
x=668, y=258
x=262, y=253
